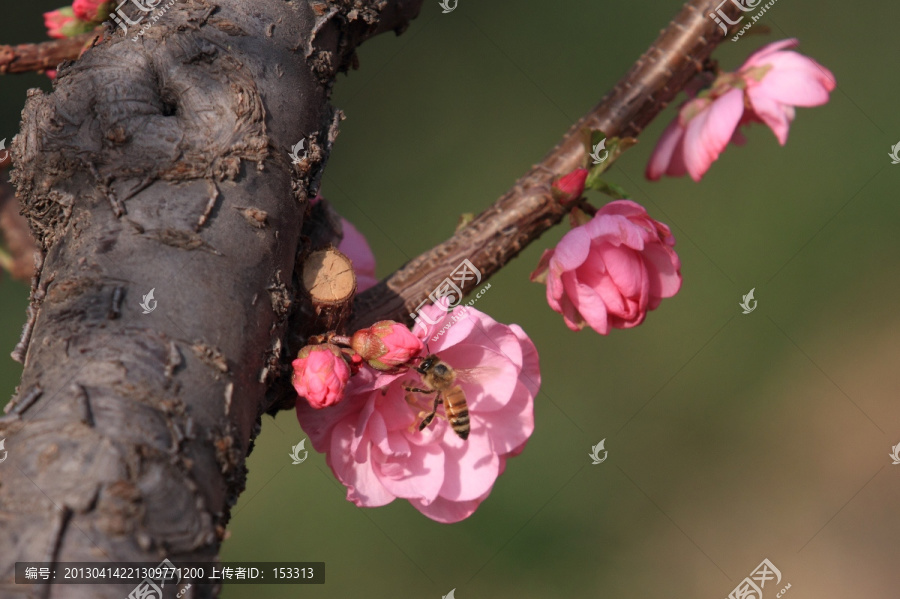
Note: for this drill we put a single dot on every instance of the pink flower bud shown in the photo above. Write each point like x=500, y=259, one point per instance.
x=386, y=344
x=569, y=188
x=59, y=22
x=91, y=10
x=63, y=22
x=320, y=374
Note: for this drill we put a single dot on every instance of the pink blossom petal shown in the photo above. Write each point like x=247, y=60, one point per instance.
x=512, y=425
x=471, y=466
x=794, y=87
x=625, y=208
x=592, y=304
x=530, y=374
x=573, y=319
x=363, y=487
x=318, y=424
x=760, y=57
x=678, y=167
x=389, y=443
x=668, y=144
x=709, y=132
x=355, y=247
x=664, y=277
x=498, y=338
x=358, y=446
x=572, y=250
x=772, y=113
x=492, y=378
x=459, y=326
x=624, y=268
x=419, y=475
x=614, y=229
x=556, y=283
x=446, y=511
x=393, y=407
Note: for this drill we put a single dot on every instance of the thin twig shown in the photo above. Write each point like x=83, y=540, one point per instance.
x=25, y=58
x=527, y=210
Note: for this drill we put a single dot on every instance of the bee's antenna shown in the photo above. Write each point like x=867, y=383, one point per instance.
x=426, y=347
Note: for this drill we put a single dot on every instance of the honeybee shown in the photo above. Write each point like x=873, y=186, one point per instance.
x=439, y=378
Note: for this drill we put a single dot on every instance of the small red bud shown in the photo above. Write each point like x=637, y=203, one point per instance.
x=569, y=188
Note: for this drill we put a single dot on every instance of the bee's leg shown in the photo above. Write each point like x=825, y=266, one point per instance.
x=417, y=390
x=411, y=390
x=427, y=420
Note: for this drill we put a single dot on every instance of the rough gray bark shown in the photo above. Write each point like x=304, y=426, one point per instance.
x=129, y=432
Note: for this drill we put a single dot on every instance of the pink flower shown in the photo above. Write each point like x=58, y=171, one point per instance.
x=610, y=271
x=386, y=345
x=569, y=188
x=320, y=375
x=777, y=80
x=765, y=90
x=372, y=440
x=91, y=10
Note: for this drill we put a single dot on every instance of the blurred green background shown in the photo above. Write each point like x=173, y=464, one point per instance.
x=732, y=438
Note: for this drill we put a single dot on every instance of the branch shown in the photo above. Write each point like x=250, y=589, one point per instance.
x=25, y=58
x=520, y=216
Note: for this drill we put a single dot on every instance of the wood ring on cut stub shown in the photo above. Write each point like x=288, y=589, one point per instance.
x=329, y=280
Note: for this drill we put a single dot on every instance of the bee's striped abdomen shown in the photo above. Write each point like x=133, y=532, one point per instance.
x=457, y=411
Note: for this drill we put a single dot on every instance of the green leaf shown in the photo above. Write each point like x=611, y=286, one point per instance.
x=613, y=190
x=464, y=219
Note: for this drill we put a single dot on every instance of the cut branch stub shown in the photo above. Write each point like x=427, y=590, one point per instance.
x=329, y=280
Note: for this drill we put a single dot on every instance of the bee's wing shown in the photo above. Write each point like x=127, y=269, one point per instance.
x=477, y=374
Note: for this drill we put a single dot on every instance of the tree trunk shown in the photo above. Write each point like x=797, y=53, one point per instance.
x=129, y=432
